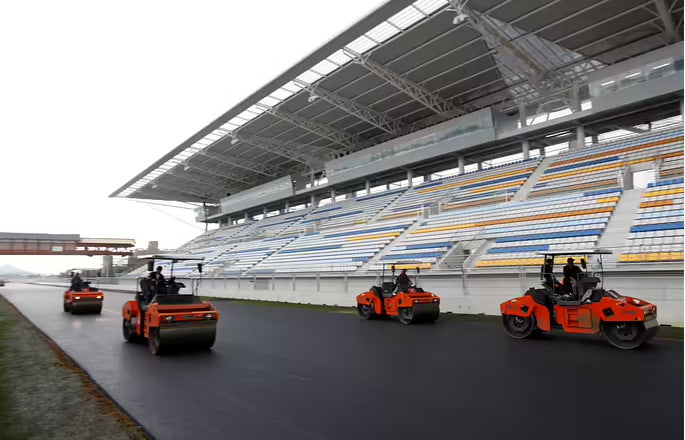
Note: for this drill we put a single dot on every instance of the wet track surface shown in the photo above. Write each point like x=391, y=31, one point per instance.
x=279, y=373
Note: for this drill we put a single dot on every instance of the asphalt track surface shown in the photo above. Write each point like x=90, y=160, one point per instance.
x=283, y=373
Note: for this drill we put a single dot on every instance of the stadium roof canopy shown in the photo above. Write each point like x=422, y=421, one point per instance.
x=404, y=67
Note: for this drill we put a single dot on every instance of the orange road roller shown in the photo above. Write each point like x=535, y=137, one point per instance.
x=165, y=317
x=579, y=304
x=81, y=297
x=401, y=298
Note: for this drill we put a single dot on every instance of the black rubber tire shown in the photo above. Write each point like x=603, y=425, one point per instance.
x=406, y=315
x=66, y=307
x=128, y=332
x=99, y=310
x=519, y=327
x=153, y=342
x=365, y=311
x=624, y=335
x=210, y=343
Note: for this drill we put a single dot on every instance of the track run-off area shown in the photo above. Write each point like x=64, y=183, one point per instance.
x=294, y=373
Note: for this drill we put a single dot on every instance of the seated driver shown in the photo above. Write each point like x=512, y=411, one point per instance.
x=76, y=283
x=547, y=272
x=571, y=273
x=403, y=282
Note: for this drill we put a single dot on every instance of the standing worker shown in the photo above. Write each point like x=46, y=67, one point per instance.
x=158, y=280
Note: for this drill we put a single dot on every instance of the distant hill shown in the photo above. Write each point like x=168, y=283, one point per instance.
x=7, y=271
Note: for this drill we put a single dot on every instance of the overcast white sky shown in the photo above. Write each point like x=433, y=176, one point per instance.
x=91, y=93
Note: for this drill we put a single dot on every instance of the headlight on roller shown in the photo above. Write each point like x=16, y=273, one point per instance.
x=77, y=297
x=169, y=318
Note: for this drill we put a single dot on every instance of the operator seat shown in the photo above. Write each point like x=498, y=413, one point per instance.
x=388, y=289
x=586, y=285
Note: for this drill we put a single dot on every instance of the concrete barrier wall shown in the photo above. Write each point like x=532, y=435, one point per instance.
x=475, y=294
x=481, y=294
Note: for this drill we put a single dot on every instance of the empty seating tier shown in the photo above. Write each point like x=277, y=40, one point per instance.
x=355, y=211
x=337, y=250
x=518, y=230
x=479, y=187
x=273, y=226
x=599, y=166
x=244, y=255
x=657, y=231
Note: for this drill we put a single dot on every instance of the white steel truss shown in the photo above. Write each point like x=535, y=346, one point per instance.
x=426, y=97
x=281, y=148
x=513, y=54
x=373, y=117
x=339, y=137
x=246, y=164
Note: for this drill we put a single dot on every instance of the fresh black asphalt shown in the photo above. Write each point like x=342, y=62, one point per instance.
x=284, y=373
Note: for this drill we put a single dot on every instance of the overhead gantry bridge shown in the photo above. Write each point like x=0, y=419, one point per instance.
x=62, y=244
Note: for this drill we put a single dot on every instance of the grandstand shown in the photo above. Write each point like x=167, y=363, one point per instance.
x=465, y=136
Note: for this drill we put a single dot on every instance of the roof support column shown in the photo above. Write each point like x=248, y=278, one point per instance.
x=595, y=138
x=575, y=100
x=312, y=201
x=367, y=186
x=522, y=115
x=332, y=195
x=246, y=217
x=682, y=112
x=286, y=206
x=525, y=149
x=410, y=177
x=460, y=161
x=579, y=142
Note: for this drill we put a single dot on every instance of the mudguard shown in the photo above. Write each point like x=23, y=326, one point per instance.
x=525, y=306
x=370, y=298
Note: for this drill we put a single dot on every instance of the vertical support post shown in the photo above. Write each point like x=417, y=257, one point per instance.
x=580, y=136
x=410, y=177
x=460, y=161
x=595, y=139
x=264, y=211
x=575, y=100
x=525, y=149
x=480, y=166
x=387, y=186
x=313, y=201
x=522, y=115
x=367, y=187
x=287, y=206
x=332, y=195
x=246, y=217
x=464, y=281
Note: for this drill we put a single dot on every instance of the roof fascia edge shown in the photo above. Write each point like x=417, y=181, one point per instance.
x=388, y=9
